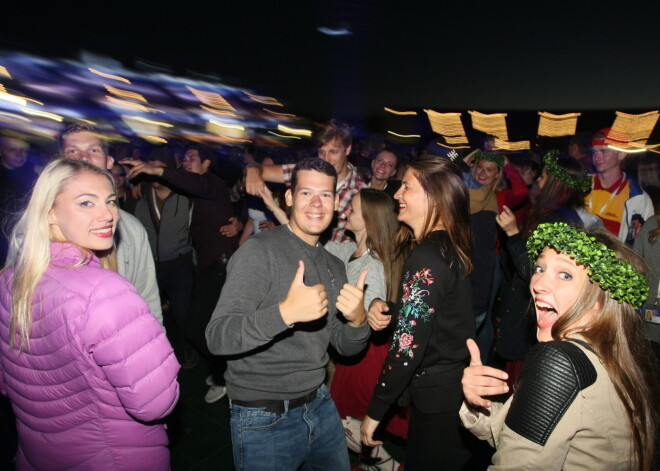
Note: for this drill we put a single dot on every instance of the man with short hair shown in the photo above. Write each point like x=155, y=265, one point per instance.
x=383, y=168
x=277, y=314
x=616, y=198
x=134, y=259
x=334, y=145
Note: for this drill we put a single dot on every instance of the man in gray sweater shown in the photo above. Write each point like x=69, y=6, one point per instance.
x=285, y=299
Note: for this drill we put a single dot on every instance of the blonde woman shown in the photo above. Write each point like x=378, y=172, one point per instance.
x=84, y=363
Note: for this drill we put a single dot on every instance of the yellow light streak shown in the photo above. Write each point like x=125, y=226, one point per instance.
x=493, y=124
x=129, y=105
x=226, y=125
x=4, y=72
x=403, y=135
x=512, y=146
x=448, y=125
x=628, y=151
x=12, y=115
x=264, y=100
x=109, y=76
x=555, y=125
x=42, y=114
x=401, y=113
x=296, y=131
x=632, y=129
x=218, y=112
x=125, y=93
x=275, y=113
x=154, y=139
x=4, y=96
x=282, y=135
x=211, y=98
x=148, y=121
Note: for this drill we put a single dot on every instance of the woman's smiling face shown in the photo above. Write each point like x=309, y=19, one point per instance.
x=555, y=286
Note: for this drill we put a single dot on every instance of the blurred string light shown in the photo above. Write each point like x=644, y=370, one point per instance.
x=218, y=112
x=501, y=144
x=42, y=114
x=129, y=105
x=109, y=76
x=17, y=100
x=400, y=113
x=148, y=121
x=15, y=116
x=284, y=136
x=4, y=72
x=125, y=93
x=296, y=131
x=493, y=124
x=264, y=100
x=630, y=132
x=212, y=99
x=154, y=139
x=448, y=125
x=557, y=125
x=403, y=135
x=227, y=126
x=282, y=115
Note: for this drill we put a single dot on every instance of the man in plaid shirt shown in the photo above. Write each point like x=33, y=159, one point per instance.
x=334, y=146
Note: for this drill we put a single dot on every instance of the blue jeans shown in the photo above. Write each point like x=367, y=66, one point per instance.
x=309, y=437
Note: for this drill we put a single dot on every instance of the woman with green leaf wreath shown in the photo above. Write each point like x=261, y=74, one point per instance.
x=587, y=396
x=563, y=186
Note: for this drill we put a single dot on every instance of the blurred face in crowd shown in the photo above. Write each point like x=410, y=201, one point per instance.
x=85, y=212
x=336, y=155
x=313, y=203
x=384, y=165
x=555, y=286
x=355, y=221
x=87, y=146
x=192, y=162
x=413, y=201
x=606, y=159
x=486, y=172
x=13, y=152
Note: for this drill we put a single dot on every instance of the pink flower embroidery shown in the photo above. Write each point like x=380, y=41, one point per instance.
x=405, y=340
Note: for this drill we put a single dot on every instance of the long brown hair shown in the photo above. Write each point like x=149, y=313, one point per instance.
x=382, y=226
x=448, y=197
x=616, y=335
x=556, y=194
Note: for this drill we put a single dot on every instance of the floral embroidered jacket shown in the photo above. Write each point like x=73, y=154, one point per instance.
x=434, y=317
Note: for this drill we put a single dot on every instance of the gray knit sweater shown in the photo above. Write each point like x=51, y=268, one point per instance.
x=271, y=360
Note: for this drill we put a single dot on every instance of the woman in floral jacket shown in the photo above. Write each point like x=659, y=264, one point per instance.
x=433, y=314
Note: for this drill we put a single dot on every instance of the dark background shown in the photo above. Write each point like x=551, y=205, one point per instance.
x=590, y=57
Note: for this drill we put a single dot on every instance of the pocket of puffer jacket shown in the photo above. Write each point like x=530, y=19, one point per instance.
x=432, y=394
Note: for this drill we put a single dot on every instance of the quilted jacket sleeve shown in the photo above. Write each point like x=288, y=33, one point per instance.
x=130, y=346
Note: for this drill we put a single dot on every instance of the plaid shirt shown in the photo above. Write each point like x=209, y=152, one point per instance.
x=351, y=185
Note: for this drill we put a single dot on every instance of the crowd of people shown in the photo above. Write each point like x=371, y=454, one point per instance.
x=439, y=295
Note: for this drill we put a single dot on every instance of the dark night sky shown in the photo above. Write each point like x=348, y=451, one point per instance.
x=449, y=56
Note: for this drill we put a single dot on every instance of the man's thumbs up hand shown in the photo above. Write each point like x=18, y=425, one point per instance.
x=351, y=301
x=303, y=303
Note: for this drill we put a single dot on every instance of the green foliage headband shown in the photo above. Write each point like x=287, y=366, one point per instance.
x=489, y=156
x=612, y=273
x=552, y=164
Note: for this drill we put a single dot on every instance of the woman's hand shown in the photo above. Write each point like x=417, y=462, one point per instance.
x=481, y=381
x=367, y=430
x=507, y=221
x=377, y=316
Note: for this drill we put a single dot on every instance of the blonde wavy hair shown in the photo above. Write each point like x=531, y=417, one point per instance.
x=30, y=244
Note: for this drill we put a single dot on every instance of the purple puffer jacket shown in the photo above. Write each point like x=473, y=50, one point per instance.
x=97, y=369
